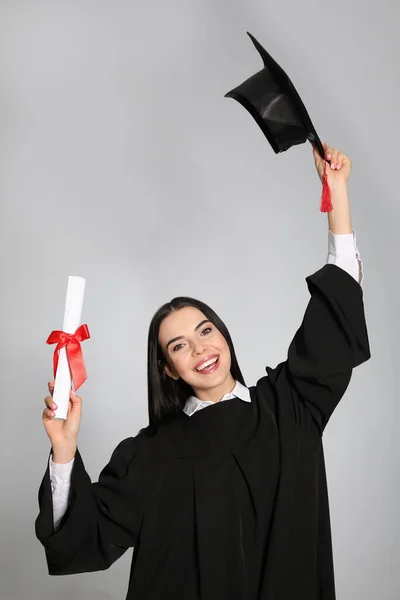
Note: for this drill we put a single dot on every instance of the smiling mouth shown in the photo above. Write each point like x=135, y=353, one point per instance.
x=210, y=368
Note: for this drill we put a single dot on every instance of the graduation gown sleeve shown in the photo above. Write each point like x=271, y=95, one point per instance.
x=103, y=518
x=331, y=340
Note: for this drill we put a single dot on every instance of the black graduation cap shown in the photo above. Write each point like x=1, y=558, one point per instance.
x=272, y=100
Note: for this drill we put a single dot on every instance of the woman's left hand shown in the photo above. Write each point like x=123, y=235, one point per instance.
x=339, y=169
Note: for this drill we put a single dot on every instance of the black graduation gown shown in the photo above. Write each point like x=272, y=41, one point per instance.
x=232, y=502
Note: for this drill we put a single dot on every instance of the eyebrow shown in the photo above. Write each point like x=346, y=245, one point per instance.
x=180, y=337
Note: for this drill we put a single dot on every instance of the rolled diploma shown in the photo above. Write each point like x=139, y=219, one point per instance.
x=72, y=320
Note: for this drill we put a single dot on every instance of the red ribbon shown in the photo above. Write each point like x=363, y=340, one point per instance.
x=74, y=352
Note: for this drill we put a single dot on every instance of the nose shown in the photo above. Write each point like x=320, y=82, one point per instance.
x=198, y=348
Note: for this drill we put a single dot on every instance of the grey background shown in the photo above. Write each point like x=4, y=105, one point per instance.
x=122, y=162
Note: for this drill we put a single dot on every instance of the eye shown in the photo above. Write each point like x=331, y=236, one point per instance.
x=178, y=345
x=175, y=347
x=209, y=328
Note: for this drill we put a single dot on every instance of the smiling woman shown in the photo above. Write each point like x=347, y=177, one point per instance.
x=173, y=373
x=229, y=502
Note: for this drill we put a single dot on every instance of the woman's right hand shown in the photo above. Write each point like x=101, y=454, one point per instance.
x=62, y=433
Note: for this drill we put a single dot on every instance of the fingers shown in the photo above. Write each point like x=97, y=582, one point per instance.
x=49, y=399
x=335, y=157
x=50, y=402
x=48, y=413
x=51, y=406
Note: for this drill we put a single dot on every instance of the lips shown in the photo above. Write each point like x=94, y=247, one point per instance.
x=205, y=360
x=210, y=369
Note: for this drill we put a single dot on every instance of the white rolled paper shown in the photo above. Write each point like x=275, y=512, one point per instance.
x=72, y=320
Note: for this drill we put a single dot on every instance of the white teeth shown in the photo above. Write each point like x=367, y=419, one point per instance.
x=207, y=363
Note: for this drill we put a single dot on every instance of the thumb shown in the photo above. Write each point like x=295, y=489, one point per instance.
x=76, y=401
x=319, y=162
x=316, y=153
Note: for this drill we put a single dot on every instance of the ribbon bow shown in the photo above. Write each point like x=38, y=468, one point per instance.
x=74, y=352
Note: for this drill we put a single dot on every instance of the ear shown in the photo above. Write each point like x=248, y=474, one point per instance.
x=168, y=371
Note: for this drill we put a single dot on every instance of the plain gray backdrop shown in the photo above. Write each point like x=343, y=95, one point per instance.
x=122, y=162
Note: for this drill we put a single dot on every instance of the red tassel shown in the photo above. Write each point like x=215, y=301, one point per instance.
x=326, y=202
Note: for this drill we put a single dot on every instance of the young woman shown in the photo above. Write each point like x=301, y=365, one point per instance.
x=224, y=495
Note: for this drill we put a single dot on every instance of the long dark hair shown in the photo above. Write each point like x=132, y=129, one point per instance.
x=167, y=397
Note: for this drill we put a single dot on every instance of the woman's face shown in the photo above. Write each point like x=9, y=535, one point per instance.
x=198, y=340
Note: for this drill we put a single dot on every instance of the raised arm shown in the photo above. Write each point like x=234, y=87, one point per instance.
x=332, y=338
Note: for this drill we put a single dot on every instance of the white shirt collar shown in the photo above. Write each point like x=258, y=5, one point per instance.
x=193, y=404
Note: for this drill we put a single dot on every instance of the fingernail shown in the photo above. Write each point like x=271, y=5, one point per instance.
x=328, y=155
x=54, y=406
x=73, y=392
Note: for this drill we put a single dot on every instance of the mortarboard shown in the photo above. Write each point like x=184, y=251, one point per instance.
x=272, y=100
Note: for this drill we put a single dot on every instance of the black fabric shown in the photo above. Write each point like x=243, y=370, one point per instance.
x=274, y=103
x=232, y=502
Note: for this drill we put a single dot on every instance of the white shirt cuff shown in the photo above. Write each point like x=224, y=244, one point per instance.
x=343, y=252
x=60, y=473
x=60, y=478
